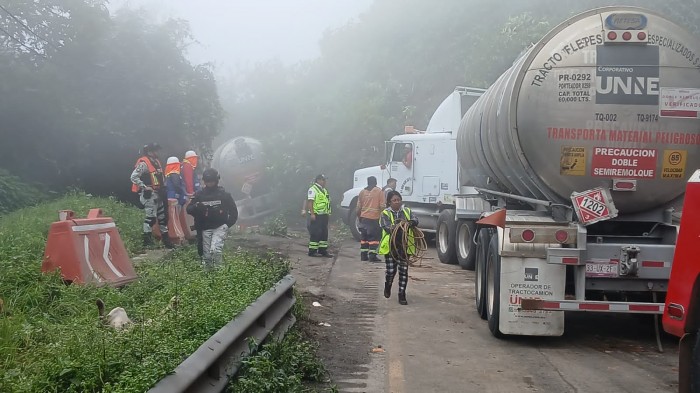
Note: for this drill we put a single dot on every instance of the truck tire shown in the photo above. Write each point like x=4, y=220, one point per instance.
x=482, y=246
x=354, y=222
x=493, y=287
x=464, y=244
x=445, y=237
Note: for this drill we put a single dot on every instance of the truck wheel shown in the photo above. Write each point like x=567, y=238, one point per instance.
x=465, y=248
x=445, y=237
x=354, y=223
x=493, y=286
x=482, y=246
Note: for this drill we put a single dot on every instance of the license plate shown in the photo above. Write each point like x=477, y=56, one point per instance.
x=601, y=270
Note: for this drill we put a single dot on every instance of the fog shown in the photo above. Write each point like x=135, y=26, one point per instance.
x=321, y=84
x=240, y=33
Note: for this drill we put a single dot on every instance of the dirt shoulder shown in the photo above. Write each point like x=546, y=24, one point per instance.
x=344, y=324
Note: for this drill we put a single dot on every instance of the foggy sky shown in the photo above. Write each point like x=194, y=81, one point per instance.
x=233, y=33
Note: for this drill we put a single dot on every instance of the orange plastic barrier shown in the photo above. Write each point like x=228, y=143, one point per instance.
x=87, y=250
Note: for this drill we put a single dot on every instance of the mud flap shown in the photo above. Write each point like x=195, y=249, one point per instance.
x=685, y=362
x=531, y=278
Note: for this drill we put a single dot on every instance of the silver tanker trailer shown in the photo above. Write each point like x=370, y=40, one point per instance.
x=241, y=164
x=570, y=167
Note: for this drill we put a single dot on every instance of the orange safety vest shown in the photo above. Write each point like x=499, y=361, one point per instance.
x=156, y=173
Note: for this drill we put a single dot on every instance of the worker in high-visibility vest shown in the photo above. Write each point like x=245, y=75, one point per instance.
x=370, y=204
x=191, y=177
x=318, y=207
x=189, y=173
x=396, y=254
x=175, y=188
x=147, y=179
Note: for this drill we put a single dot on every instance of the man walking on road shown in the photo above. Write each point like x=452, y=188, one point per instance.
x=147, y=179
x=215, y=212
x=318, y=206
x=369, y=207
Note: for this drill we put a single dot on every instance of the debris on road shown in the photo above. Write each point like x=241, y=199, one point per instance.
x=378, y=349
x=316, y=304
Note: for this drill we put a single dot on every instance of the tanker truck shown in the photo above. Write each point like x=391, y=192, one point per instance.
x=241, y=164
x=572, y=165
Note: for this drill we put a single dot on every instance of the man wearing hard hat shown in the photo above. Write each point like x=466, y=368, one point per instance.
x=191, y=177
x=189, y=172
x=175, y=187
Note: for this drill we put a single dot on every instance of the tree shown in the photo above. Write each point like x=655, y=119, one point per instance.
x=88, y=89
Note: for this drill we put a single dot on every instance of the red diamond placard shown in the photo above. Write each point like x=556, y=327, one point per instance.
x=593, y=205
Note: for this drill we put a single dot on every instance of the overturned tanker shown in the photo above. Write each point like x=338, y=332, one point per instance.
x=583, y=147
x=241, y=163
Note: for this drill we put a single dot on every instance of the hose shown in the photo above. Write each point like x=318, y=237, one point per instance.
x=399, y=244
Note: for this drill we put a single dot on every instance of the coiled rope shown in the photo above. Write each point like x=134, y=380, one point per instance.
x=400, y=242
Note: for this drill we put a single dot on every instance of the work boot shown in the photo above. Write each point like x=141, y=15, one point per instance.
x=324, y=253
x=363, y=256
x=373, y=258
x=167, y=242
x=313, y=254
x=402, y=298
x=387, y=290
x=148, y=240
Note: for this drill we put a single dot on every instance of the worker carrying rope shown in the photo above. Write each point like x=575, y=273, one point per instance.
x=402, y=243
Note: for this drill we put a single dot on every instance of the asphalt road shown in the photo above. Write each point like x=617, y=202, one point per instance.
x=438, y=343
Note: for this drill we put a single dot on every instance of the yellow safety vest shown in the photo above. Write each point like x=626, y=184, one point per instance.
x=384, y=247
x=322, y=201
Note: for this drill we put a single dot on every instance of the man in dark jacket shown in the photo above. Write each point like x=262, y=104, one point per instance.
x=215, y=212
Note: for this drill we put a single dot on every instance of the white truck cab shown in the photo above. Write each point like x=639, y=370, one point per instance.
x=424, y=164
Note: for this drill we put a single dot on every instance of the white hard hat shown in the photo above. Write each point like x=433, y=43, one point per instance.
x=190, y=153
x=173, y=160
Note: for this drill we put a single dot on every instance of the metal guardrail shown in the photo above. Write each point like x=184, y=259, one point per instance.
x=209, y=368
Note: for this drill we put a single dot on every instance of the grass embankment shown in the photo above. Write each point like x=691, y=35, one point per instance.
x=50, y=336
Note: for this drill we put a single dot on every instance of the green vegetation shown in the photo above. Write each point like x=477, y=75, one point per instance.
x=284, y=365
x=280, y=366
x=275, y=225
x=15, y=194
x=50, y=336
